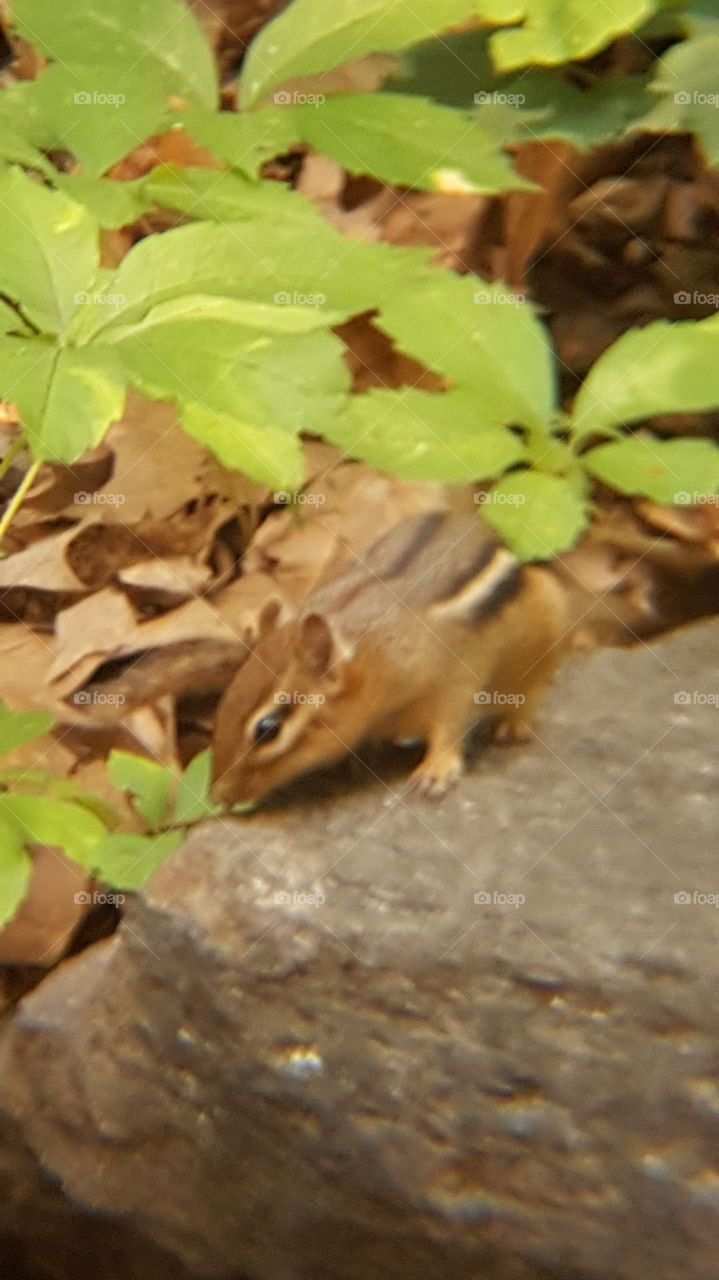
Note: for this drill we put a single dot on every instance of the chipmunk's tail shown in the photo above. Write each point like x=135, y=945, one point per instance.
x=624, y=585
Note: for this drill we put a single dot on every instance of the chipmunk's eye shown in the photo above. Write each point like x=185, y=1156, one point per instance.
x=268, y=727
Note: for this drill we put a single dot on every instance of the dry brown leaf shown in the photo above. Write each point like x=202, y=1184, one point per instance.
x=324, y=182
x=198, y=644
x=43, y=566
x=165, y=582
x=25, y=658
x=52, y=909
x=345, y=510
x=174, y=147
x=57, y=487
x=447, y=223
x=374, y=362
x=143, y=485
x=90, y=632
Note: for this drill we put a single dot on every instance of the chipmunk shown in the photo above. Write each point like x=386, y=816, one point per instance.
x=435, y=627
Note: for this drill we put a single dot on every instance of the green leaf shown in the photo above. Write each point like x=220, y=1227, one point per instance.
x=86, y=393
x=96, y=111
x=419, y=436
x=196, y=309
x=553, y=107
x=686, y=82
x=305, y=262
x=405, y=140
x=700, y=16
x=18, y=127
x=663, y=368
x=483, y=337
x=193, y=794
x=51, y=247
x=238, y=139
x=314, y=35
x=126, y=860
x=539, y=103
x=221, y=196
x=67, y=397
x=536, y=515
x=116, y=74
x=26, y=370
x=19, y=727
x=114, y=204
x=217, y=195
x=55, y=822
x=554, y=31
x=669, y=471
x=161, y=41
x=148, y=782
x=15, y=868
x=451, y=69
x=244, y=393
x=40, y=782
x=62, y=789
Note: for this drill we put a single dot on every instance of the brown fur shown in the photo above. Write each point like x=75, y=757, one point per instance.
x=400, y=655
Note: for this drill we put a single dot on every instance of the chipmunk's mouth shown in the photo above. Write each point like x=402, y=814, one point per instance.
x=224, y=794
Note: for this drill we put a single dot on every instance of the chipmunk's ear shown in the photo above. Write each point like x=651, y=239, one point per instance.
x=322, y=650
x=268, y=616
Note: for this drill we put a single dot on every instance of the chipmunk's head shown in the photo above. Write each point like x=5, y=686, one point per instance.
x=281, y=715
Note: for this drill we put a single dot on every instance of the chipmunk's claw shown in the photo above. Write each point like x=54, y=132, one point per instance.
x=434, y=776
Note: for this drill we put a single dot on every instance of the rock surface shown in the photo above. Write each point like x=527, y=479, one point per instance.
x=377, y=1036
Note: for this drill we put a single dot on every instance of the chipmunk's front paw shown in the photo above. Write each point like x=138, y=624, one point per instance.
x=436, y=774
x=510, y=732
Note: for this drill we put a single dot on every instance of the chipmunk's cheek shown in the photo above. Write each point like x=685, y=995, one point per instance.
x=230, y=790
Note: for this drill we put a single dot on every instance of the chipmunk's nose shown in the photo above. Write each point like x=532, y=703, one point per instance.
x=225, y=792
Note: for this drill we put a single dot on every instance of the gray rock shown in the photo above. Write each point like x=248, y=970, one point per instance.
x=379, y=1036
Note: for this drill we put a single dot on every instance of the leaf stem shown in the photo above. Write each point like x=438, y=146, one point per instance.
x=17, y=499
x=15, y=448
